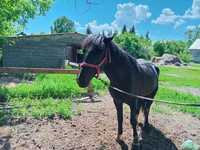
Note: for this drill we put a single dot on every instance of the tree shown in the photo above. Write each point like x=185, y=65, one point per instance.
x=193, y=34
x=178, y=48
x=132, y=30
x=124, y=29
x=15, y=14
x=62, y=24
x=88, y=30
x=159, y=47
x=115, y=33
x=147, y=35
x=133, y=44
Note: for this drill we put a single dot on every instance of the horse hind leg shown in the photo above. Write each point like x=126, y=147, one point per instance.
x=146, y=109
x=134, y=121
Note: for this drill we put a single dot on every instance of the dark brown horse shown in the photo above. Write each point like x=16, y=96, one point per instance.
x=125, y=73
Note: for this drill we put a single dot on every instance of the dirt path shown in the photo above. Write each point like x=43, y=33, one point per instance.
x=96, y=128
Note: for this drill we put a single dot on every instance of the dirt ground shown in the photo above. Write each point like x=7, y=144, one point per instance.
x=96, y=128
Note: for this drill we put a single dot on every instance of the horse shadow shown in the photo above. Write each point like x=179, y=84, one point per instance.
x=5, y=142
x=152, y=139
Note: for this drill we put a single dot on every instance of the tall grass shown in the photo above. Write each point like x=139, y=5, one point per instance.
x=47, y=96
x=174, y=96
x=55, y=86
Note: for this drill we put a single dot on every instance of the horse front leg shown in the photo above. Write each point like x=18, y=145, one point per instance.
x=119, y=108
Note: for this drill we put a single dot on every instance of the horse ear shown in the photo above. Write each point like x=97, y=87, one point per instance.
x=108, y=39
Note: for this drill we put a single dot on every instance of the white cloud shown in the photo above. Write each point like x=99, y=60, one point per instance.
x=168, y=17
x=99, y=27
x=126, y=14
x=194, y=11
x=192, y=27
x=129, y=14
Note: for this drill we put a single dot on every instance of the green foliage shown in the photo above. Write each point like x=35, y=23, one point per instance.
x=55, y=86
x=48, y=96
x=135, y=45
x=124, y=29
x=62, y=24
x=4, y=94
x=193, y=34
x=88, y=30
x=132, y=30
x=184, y=76
x=147, y=35
x=178, y=48
x=45, y=108
x=185, y=56
x=178, y=97
x=51, y=85
x=170, y=47
x=15, y=14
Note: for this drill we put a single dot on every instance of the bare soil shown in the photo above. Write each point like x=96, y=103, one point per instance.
x=96, y=128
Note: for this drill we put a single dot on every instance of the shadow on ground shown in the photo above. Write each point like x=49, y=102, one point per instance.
x=153, y=139
x=4, y=140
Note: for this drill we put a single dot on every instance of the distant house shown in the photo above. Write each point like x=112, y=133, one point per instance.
x=195, y=51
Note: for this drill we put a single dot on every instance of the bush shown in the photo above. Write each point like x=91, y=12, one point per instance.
x=178, y=48
x=185, y=56
x=135, y=45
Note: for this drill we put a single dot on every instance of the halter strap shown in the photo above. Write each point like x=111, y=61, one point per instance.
x=106, y=59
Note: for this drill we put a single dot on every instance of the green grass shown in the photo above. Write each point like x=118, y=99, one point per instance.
x=174, y=96
x=37, y=108
x=54, y=86
x=48, y=92
x=51, y=94
x=180, y=76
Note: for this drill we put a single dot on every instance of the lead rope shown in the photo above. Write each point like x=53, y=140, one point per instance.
x=147, y=98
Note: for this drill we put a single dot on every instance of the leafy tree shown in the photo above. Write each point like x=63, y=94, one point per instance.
x=16, y=13
x=115, y=33
x=135, y=45
x=178, y=48
x=124, y=29
x=147, y=35
x=193, y=34
x=159, y=47
x=62, y=24
x=88, y=30
x=132, y=30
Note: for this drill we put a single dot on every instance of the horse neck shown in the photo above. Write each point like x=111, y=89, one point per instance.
x=120, y=65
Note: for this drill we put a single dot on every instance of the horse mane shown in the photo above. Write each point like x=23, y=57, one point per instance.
x=93, y=39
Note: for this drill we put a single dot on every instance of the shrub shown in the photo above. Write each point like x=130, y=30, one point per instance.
x=135, y=45
x=178, y=48
x=185, y=56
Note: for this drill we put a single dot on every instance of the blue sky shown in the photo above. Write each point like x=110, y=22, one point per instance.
x=165, y=19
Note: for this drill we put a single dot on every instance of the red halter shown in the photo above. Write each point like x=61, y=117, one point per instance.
x=106, y=59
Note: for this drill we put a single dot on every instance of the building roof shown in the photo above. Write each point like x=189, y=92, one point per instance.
x=195, y=45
